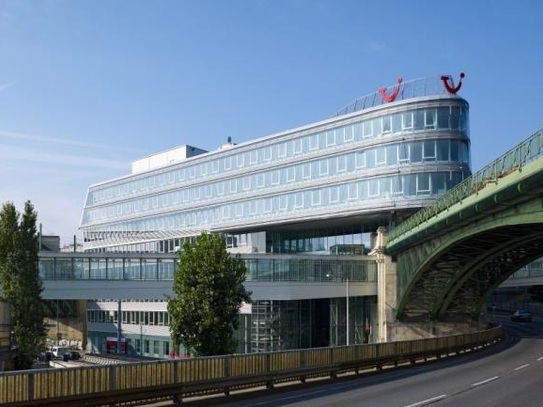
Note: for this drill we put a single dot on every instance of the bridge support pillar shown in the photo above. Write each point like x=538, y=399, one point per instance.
x=386, y=287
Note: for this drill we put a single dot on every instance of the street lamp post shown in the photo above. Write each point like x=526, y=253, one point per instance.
x=347, y=300
x=141, y=339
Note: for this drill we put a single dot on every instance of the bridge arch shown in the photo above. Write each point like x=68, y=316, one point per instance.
x=451, y=275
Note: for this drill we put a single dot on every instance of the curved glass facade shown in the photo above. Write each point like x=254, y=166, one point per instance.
x=300, y=206
x=400, y=155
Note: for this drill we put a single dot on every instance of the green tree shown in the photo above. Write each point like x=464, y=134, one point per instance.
x=20, y=280
x=209, y=290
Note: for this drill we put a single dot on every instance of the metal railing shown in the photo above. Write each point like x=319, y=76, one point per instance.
x=420, y=87
x=525, y=152
x=99, y=385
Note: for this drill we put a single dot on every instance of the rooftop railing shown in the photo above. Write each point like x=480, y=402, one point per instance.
x=411, y=89
x=514, y=159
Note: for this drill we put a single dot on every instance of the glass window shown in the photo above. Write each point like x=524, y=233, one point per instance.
x=380, y=156
x=246, y=183
x=316, y=197
x=253, y=156
x=403, y=152
x=410, y=185
x=397, y=123
x=340, y=139
x=430, y=119
x=397, y=185
x=298, y=146
x=330, y=138
x=260, y=180
x=360, y=161
x=387, y=126
x=341, y=164
x=442, y=150
x=299, y=200
x=419, y=119
x=430, y=150
x=282, y=150
x=368, y=128
x=334, y=194
x=267, y=153
x=323, y=167
x=373, y=188
x=353, y=192
x=377, y=128
x=455, y=151
x=349, y=136
x=275, y=177
x=423, y=184
x=357, y=131
x=240, y=160
x=407, y=121
x=233, y=185
x=455, y=117
x=314, y=142
x=416, y=152
x=384, y=186
x=146, y=346
x=227, y=163
x=306, y=170
x=392, y=154
x=439, y=183
x=443, y=117
x=291, y=175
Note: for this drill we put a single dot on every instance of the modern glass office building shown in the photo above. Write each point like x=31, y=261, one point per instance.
x=300, y=206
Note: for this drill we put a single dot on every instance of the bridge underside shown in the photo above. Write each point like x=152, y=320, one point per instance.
x=451, y=277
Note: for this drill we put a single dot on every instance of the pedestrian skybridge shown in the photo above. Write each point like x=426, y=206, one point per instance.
x=149, y=276
x=451, y=255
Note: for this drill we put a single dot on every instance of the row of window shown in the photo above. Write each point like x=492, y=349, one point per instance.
x=407, y=153
x=269, y=269
x=155, y=318
x=443, y=118
x=400, y=188
x=104, y=269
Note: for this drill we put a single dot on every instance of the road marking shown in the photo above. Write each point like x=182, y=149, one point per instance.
x=485, y=381
x=522, y=367
x=427, y=401
x=541, y=358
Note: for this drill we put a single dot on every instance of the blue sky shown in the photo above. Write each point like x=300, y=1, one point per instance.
x=88, y=86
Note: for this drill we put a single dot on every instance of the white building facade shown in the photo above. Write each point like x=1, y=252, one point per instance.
x=300, y=206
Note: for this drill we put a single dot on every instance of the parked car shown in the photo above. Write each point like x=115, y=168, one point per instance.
x=521, y=315
x=74, y=355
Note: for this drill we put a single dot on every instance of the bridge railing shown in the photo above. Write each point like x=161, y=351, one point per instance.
x=525, y=152
x=153, y=381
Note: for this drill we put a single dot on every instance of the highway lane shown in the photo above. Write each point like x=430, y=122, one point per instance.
x=509, y=376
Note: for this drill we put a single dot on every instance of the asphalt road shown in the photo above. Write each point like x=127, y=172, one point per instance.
x=507, y=376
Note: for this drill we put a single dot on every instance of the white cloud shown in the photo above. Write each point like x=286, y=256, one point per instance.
x=19, y=154
x=55, y=140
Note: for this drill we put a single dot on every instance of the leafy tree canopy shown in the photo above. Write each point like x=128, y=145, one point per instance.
x=20, y=280
x=209, y=291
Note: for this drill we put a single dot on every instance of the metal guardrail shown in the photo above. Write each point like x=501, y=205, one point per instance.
x=153, y=381
x=525, y=152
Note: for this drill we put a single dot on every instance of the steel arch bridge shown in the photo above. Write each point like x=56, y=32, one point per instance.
x=452, y=255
